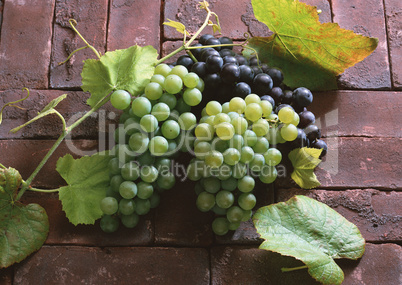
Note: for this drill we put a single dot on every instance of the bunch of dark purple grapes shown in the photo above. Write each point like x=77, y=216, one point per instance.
x=227, y=75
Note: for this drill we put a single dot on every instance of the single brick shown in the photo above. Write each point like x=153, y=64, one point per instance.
x=25, y=46
x=354, y=163
x=380, y=264
x=244, y=265
x=366, y=18
x=61, y=231
x=393, y=14
x=347, y=113
x=91, y=17
x=25, y=155
x=377, y=214
x=357, y=162
x=134, y=23
x=90, y=265
x=100, y=125
x=178, y=221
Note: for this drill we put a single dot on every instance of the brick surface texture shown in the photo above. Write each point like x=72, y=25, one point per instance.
x=91, y=18
x=174, y=243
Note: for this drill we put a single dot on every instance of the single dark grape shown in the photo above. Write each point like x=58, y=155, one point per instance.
x=212, y=80
x=301, y=139
x=230, y=73
x=204, y=38
x=246, y=74
x=302, y=97
x=276, y=75
x=241, y=59
x=214, y=63
x=287, y=97
x=277, y=94
x=269, y=99
x=230, y=59
x=254, y=61
x=242, y=89
x=200, y=68
x=306, y=118
x=256, y=69
x=197, y=52
x=312, y=132
x=207, y=53
x=264, y=67
x=320, y=144
x=277, y=109
x=212, y=42
x=225, y=52
x=225, y=41
x=297, y=108
x=262, y=84
x=185, y=60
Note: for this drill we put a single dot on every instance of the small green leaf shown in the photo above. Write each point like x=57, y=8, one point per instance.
x=304, y=161
x=310, y=54
x=10, y=181
x=127, y=69
x=203, y=5
x=311, y=232
x=23, y=228
x=49, y=109
x=178, y=26
x=88, y=180
x=216, y=27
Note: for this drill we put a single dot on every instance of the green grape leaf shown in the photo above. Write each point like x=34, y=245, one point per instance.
x=178, y=26
x=312, y=232
x=49, y=109
x=304, y=161
x=309, y=53
x=23, y=228
x=127, y=69
x=88, y=180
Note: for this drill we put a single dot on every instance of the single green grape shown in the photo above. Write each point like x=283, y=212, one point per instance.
x=120, y=99
x=141, y=106
x=158, y=146
x=213, y=108
x=192, y=96
x=191, y=80
x=220, y=226
x=153, y=91
x=109, y=205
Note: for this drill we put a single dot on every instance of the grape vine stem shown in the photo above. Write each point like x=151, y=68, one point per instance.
x=186, y=45
x=286, y=269
x=66, y=132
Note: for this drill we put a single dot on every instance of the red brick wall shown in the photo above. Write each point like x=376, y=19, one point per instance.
x=361, y=177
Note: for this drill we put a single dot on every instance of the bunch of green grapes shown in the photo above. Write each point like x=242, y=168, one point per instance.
x=232, y=150
x=153, y=128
